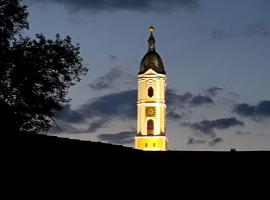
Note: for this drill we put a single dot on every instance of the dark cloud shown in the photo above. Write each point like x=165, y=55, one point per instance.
x=112, y=57
x=245, y=109
x=262, y=109
x=114, y=79
x=178, y=100
x=105, y=82
x=259, y=29
x=215, y=141
x=199, y=100
x=219, y=34
x=96, y=124
x=118, y=138
x=68, y=115
x=213, y=91
x=195, y=141
x=173, y=115
x=187, y=99
x=207, y=126
x=63, y=127
x=242, y=133
x=117, y=105
x=146, y=6
x=199, y=141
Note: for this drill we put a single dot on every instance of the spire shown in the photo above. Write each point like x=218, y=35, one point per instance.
x=151, y=40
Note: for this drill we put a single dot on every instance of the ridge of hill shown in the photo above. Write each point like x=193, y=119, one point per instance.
x=106, y=167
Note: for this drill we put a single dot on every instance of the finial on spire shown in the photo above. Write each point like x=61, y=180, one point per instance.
x=151, y=40
x=152, y=29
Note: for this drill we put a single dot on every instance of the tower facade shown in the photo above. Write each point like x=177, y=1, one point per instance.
x=151, y=105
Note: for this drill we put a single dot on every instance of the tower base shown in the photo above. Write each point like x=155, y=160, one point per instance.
x=151, y=143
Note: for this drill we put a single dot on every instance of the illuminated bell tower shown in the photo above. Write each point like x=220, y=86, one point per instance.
x=151, y=105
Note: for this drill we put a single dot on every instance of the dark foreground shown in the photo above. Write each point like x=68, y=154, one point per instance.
x=42, y=166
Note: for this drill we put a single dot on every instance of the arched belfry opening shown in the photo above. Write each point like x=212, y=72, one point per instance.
x=150, y=127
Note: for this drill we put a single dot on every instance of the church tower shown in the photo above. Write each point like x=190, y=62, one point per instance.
x=151, y=105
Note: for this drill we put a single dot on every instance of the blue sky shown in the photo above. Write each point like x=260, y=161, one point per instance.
x=223, y=45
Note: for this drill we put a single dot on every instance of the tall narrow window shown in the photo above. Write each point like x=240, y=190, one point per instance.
x=150, y=92
x=150, y=127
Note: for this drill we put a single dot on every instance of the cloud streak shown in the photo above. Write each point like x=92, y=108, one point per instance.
x=258, y=29
x=208, y=126
x=96, y=124
x=192, y=140
x=187, y=99
x=145, y=6
x=219, y=34
x=213, y=91
x=125, y=137
x=215, y=141
x=113, y=79
x=68, y=115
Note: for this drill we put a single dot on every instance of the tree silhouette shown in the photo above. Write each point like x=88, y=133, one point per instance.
x=35, y=74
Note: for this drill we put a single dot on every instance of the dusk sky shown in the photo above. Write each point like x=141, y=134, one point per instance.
x=216, y=54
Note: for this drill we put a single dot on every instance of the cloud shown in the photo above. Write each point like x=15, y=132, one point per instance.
x=68, y=115
x=115, y=79
x=145, y=6
x=262, y=109
x=213, y=91
x=212, y=142
x=125, y=137
x=112, y=57
x=63, y=127
x=173, y=115
x=242, y=133
x=219, y=34
x=259, y=29
x=245, y=109
x=187, y=99
x=215, y=141
x=199, y=100
x=96, y=124
x=195, y=141
x=117, y=105
x=208, y=126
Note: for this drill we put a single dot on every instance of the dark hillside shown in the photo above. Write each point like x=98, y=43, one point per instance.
x=115, y=171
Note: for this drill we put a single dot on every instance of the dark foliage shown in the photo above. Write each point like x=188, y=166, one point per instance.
x=35, y=74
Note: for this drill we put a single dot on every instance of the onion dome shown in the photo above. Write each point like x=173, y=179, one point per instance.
x=152, y=60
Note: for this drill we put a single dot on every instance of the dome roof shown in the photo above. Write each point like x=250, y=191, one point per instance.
x=152, y=60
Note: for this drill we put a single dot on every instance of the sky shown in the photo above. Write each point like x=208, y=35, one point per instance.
x=216, y=54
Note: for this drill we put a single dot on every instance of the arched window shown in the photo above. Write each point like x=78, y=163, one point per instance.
x=150, y=92
x=150, y=127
